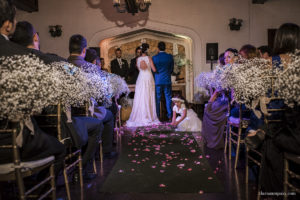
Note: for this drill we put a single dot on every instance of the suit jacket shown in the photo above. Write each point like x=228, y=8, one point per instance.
x=164, y=64
x=100, y=111
x=9, y=48
x=120, y=70
x=133, y=71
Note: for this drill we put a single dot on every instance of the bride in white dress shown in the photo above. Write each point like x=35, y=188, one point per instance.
x=144, y=110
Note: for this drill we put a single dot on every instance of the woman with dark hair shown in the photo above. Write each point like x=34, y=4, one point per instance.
x=287, y=39
x=144, y=109
x=285, y=136
x=221, y=59
x=231, y=56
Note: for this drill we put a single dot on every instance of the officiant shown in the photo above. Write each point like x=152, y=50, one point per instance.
x=133, y=71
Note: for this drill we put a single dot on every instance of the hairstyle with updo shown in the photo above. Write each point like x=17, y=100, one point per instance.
x=234, y=51
x=145, y=47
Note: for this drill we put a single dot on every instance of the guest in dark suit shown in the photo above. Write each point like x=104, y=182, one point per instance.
x=40, y=145
x=119, y=66
x=133, y=71
x=77, y=49
x=164, y=64
x=85, y=131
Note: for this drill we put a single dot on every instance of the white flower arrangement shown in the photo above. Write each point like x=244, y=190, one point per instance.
x=287, y=84
x=250, y=79
x=115, y=84
x=28, y=85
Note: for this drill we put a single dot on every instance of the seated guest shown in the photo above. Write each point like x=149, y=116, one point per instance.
x=216, y=110
x=264, y=52
x=39, y=145
x=119, y=66
x=248, y=51
x=214, y=120
x=8, y=20
x=102, y=64
x=87, y=129
x=279, y=137
x=26, y=36
x=91, y=56
x=77, y=49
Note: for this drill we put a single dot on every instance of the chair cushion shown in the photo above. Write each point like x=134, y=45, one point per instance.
x=9, y=167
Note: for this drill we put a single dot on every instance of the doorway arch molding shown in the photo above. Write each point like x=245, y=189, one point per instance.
x=195, y=47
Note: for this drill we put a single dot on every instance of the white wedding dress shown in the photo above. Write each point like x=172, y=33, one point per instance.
x=144, y=109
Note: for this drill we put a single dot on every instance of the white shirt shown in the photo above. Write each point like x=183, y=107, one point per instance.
x=120, y=62
x=5, y=36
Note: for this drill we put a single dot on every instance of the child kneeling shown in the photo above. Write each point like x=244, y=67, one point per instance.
x=187, y=119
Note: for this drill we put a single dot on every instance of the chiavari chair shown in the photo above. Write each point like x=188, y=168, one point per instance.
x=18, y=169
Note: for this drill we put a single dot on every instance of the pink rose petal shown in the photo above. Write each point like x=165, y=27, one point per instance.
x=210, y=178
x=201, y=192
x=162, y=185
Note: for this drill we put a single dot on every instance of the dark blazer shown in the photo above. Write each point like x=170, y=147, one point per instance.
x=8, y=48
x=133, y=71
x=120, y=70
x=164, y=64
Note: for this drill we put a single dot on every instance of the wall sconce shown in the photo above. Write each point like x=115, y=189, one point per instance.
x=55, y=31
x=132, y=6
x=235, y=24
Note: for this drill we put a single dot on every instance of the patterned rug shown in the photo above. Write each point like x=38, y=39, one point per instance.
x=159, y=160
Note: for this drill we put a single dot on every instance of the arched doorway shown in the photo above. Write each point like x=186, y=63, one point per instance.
x=184, y=38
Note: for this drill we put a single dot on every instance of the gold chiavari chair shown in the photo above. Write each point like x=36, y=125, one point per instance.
x=255, y=155
x=291, y=174
x=118, y=125
x=236, y=136
x=73, y=157
x=226, y=129
x=18, y=170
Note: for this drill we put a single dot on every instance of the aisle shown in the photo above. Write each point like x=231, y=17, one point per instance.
x=160, y=160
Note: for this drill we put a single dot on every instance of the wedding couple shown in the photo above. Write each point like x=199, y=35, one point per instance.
x=146, y=103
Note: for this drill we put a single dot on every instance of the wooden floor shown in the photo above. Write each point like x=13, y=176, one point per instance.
x=233, y=181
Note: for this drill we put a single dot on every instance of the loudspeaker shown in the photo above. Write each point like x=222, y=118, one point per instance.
x=97, y=49
x=212, y=51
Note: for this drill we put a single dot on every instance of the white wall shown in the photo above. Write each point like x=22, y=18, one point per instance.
x=202, y=20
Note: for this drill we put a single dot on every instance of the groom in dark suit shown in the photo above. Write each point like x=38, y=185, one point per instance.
x=164, y=64
x=119, y=66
